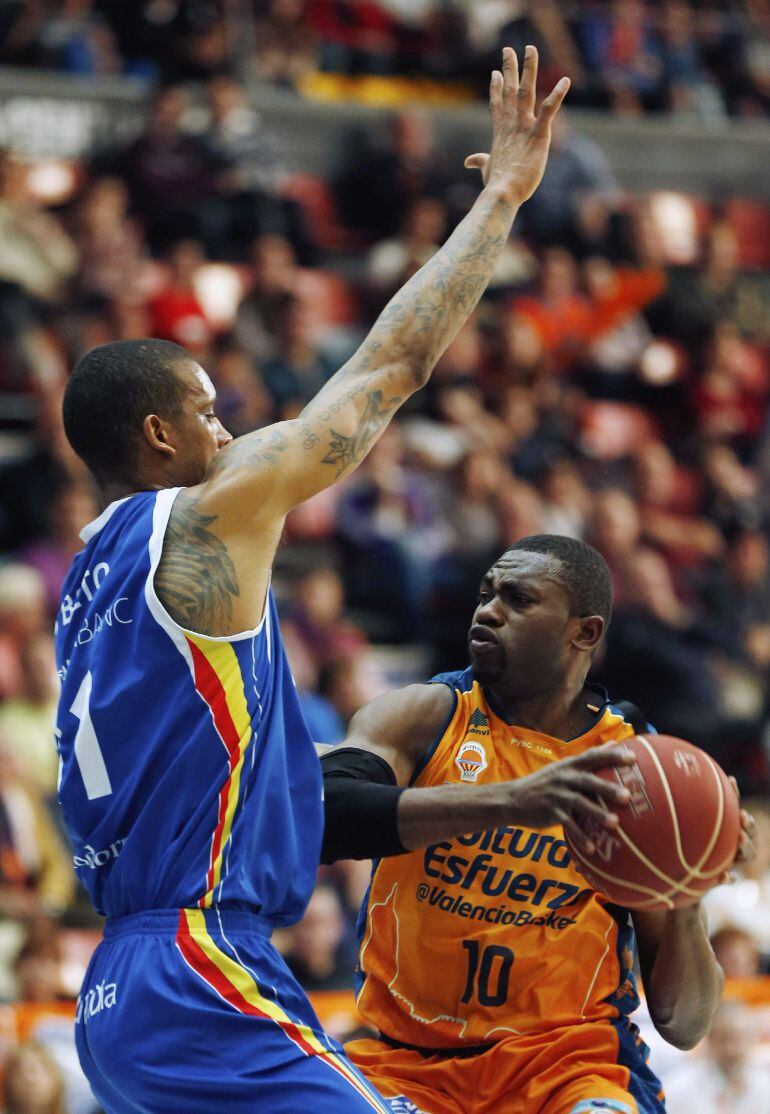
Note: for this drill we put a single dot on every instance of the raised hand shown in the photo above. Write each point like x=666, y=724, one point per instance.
x=520, y=140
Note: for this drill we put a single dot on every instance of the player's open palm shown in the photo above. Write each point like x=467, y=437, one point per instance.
x=520, y=139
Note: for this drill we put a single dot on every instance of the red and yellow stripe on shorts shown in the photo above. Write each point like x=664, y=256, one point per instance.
x=239, y=988
x=219, y=681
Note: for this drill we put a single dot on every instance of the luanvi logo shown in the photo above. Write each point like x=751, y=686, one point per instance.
x=478, y=724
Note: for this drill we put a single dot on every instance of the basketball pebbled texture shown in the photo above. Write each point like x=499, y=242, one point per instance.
x=677, y=835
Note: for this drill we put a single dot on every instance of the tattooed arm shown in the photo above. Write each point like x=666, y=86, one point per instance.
x=338, y=427
x=257, y=479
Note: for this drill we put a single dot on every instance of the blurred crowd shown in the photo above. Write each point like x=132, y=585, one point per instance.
x=708, y=59
x=612, y=386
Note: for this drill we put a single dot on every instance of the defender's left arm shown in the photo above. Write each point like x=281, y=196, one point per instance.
x=681, y=977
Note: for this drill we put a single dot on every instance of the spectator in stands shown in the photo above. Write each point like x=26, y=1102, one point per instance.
x=27, y=720
x=349, y=682
x=286, y=44
x=688, y=87
x=243, y=401
x=745, y=903
x=391, y=262
x=275, y=282
x=32, y=1083
x=171, y=174
x=246, y=149
x=377, y=184
x=314, y=945
x=616, y=530
x=726, y=1079
x=322, y=718
x=737, y=952
x=112, y=253
x=22, y=617
x=660, y=657
x=388, y=519
x=298, y=368
x=71, y=507
x=36, y=254
x=730, y=396
x=566, y=500
x=317, y=617
x=578, y=188
x=35, y=871
x=668, y=507
x=176, y=313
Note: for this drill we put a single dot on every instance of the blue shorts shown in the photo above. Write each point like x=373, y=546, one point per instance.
x=192, y=1010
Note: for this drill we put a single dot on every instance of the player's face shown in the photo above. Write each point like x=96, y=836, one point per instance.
x=199, y=433
x=520, y=631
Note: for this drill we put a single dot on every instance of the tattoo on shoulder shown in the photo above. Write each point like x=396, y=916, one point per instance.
x=346, y=450
x=196, y=579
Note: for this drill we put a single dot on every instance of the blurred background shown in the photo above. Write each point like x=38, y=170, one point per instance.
x=253, y=179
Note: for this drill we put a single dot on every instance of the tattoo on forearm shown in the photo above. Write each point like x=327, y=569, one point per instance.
x=344, y=450
x=426, y=313
x=196, y=580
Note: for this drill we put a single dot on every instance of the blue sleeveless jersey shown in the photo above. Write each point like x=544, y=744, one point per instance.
x=188, y=776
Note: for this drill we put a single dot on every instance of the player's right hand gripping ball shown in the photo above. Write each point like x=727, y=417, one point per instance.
x=677, y=835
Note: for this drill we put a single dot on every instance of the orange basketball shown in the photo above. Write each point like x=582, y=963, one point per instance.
x=678, y=833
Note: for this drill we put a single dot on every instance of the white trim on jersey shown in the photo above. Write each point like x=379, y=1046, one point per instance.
x=160, y=516
x=92, y=528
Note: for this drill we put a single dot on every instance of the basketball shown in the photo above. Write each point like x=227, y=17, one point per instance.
x=678, y=833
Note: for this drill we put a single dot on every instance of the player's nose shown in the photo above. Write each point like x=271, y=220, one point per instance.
x=224, y=437
x=488, y=613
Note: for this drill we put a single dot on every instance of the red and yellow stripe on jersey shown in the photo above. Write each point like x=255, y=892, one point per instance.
x=494, y=934
x=219, y=681
x=239, y=988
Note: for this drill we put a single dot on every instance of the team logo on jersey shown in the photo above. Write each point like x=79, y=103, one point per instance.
x=402, y=1105
x=471, y=761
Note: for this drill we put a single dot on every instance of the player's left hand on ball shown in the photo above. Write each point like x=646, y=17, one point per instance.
x=746, y=848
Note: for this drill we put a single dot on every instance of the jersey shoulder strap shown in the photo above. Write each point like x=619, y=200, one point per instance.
x=633, y=715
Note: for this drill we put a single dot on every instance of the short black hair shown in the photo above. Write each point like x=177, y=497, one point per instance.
x=584, y=572
x=110, y=393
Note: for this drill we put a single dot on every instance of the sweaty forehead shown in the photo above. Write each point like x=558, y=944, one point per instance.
x=521, y=564
x=196, y=380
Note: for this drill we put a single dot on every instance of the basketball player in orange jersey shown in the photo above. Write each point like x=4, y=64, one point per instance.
x=499, y=981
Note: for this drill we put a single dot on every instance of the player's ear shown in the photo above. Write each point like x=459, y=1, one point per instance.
x=588, y=633
x=158, y=435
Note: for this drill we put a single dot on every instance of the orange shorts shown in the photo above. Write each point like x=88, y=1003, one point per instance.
x=560, y=1072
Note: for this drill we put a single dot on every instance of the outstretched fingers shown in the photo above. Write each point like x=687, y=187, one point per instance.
x=496, y=83
x=528, y=85
x=510, y=74
x=553, y=103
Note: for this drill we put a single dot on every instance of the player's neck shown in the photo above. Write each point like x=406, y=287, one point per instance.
x=111, y=492
x=562, y=715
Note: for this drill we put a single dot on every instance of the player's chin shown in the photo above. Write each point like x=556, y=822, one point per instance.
x=487, y=666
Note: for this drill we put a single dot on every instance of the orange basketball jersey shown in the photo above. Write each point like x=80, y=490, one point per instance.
x=495, y=933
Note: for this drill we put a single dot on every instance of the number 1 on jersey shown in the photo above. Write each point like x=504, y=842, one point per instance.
x=87, y=750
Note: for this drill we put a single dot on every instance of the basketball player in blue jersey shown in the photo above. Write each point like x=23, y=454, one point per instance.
x=190, y=786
